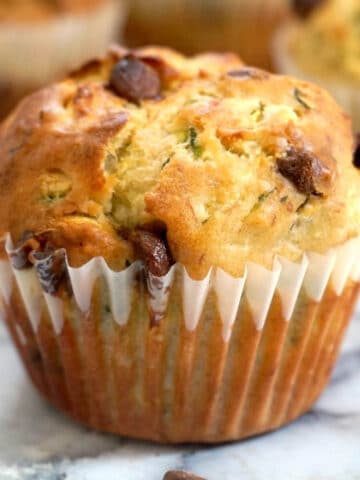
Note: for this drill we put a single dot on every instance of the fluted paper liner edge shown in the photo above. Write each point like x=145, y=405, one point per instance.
x=258, y=285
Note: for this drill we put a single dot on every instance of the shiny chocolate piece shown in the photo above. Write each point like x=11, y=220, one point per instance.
x=309, y=175
x=51, y=269
x=135, y=80
x=153, y=251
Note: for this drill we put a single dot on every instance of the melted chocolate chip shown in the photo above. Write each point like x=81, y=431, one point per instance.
x=153, y=251
x=50, y=267
x=36, y=250
x=135, y=80
x=158, y=291
x=357, y=151
x=304, y=8
x=305, y=171
x=181, y=475
x=20, y=254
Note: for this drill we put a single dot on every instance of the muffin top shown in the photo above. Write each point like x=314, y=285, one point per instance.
x=147, y=154
x=327, y=43
x=39, y=10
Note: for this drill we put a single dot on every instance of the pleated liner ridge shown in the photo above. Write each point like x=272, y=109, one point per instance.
x=177, y=360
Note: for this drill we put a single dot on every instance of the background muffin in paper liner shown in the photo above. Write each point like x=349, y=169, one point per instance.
x=324, y=48
x=184, y=248
x=196, y=25
x=41, y=41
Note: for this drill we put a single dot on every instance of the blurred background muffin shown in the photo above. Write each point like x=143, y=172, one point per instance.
x=243, y=26
x=324, y=47
x=40, y=40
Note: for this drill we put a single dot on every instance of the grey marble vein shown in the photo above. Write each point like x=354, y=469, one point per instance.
x=38, y=443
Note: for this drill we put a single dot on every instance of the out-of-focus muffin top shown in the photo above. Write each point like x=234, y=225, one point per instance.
x=245, y=26
x=228, y=162
x=327, y=43
x=39, y=10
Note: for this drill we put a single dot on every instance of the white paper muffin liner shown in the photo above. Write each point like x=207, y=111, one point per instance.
x=33, y=54
x=347, y=95
x=157, y=349
x=258, y=284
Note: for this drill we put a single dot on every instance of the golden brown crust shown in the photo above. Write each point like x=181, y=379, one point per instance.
x=84, y=144
x=221, y=158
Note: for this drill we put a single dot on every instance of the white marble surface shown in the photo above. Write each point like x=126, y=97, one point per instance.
x=37, y=443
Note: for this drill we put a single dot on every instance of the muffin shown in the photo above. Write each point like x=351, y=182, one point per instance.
x=194, y=26
x=324, y=47
x=181, y=255
x=41, y=40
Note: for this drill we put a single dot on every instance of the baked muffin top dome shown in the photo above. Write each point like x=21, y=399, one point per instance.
x=229, y=163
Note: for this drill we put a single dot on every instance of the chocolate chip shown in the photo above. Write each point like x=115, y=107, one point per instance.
x=304, y=8
x=153, y=250
x=20, y=254
x=50, y=263
x=357, y=151
x=181, y=475
x=51, y=269
x=243, y=73
x=305, y=171
x=135, y=80
x=247, y=72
